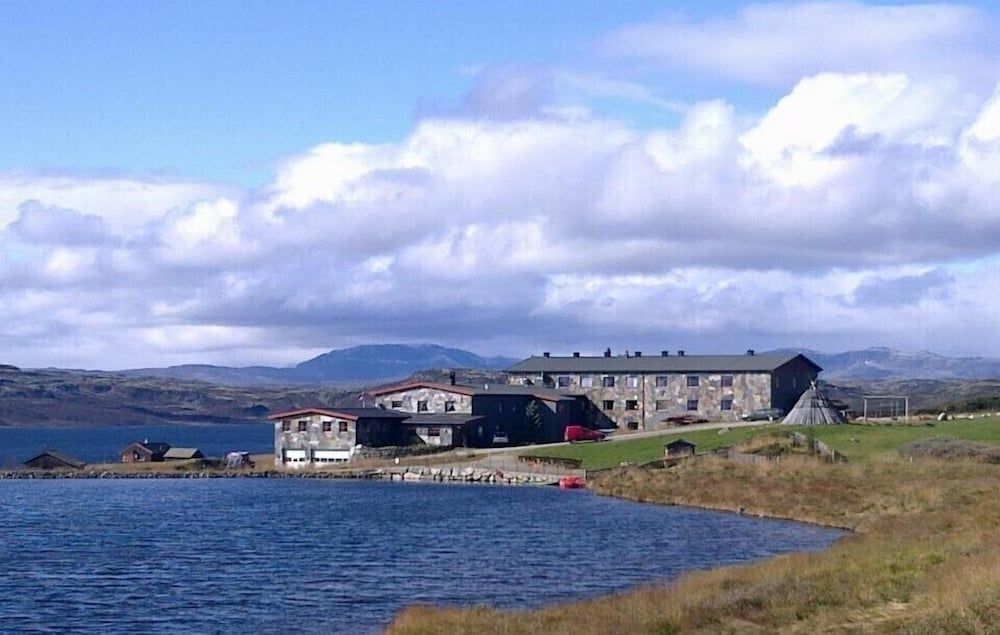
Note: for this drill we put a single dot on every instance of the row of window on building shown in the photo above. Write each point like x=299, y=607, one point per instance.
x=423, y=406
x=632, y=381
x=726, y=403
x=303, y=426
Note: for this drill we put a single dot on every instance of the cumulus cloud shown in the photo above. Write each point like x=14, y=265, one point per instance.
x=857, y=209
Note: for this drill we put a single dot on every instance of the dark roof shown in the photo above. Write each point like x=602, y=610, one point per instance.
x=154, y=447
x=679, y=443
x=442, y=419
x=58, y=456
x=342, y=413
x=539, y=392
x=658, y=363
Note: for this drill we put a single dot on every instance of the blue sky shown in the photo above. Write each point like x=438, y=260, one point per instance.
x=256, y=182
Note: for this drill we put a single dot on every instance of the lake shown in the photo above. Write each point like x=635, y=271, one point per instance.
x=319, y=556
x=103, y=444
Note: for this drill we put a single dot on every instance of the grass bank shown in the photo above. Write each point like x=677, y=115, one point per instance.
x=924, y=557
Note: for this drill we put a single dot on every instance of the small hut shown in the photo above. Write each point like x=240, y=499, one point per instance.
x=144, y=452
x=814, y=409
x=678, y=449
x=54, y=460
x=182, y=454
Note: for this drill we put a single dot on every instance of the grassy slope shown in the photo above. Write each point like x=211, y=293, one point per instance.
x=924, y=558
x=854, y=441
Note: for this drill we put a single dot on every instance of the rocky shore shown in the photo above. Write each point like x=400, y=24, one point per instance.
x=403, y=474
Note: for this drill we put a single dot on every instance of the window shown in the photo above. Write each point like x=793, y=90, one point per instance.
x=286, y=426
x=631, y=404
x=327, y=426
x=662, y=404
x=692, y=404
x=726, y=403
x=777, y=382
x=563, y=381
x=434, y=431
x=449, y=406
x=609, y=404
x=396, y=403
x=692, y=381
x=632, y=381
x=727, y=381
x=343, y=427
x=587, y=381
x=303, y=426
x=608, y=381
x=421, y=406
x=661, y=381
x=632, y=424
x=795, y=382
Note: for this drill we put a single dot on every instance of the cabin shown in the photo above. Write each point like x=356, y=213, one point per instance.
x=448, y=429
x=144, y=452
x=678, y=449
x=54, y=460
x=182, y=454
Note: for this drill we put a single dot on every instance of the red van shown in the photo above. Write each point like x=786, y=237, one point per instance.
x=579, y=433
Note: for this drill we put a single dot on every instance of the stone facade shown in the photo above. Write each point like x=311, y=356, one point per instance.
x=318, y=437
x=434, y=400
x=646, y=398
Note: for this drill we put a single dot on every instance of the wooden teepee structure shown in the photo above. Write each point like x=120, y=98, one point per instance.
x=814, y=409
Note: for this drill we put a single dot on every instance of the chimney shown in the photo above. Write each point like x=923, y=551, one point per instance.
x=545, y=354
x=680, y=353
x=451, y=377
x=664, y=353
x=607, y=352
x=638, y=353
x=750, y=352
x=576, y=353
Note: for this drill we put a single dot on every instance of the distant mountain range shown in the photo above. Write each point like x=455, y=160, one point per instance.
x=340, y=367
x=882, y=363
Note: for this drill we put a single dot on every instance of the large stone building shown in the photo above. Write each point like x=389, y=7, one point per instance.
x=508, y=413
x=643, y=392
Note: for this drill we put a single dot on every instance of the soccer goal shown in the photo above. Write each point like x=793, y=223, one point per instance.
x=886, y=407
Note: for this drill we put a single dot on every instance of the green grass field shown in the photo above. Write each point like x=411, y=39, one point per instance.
x=856, y=442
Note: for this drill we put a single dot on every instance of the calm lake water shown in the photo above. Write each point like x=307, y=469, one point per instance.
x=304, y=556
x=102, y=444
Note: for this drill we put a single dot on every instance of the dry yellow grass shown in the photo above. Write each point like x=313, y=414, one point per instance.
x=924, y=558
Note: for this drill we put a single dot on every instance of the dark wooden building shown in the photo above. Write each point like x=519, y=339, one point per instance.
x=144, y=452
x=54, y=460
x=678, y=449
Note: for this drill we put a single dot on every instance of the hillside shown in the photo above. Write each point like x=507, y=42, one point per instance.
x=880, y=363
x=354, y=366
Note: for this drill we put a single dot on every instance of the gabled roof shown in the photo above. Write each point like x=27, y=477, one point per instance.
x=351, y=414
x=545, y=394
x=660, y=363
x=154, y=447
x=66, y=459
x=182, y=453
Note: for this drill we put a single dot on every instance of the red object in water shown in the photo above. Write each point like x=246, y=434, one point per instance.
x=579, y=433
x=572, y=482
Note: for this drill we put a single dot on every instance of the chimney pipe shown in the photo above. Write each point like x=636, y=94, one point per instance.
x=680, y=353
x=750, y=352
x=638, y=353
x=545, y=354
x=664, y=353
x=576, y=353
x=607, y=352
x=451, y=377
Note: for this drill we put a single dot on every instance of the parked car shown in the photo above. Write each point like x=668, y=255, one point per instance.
x=764, y=414
x=579, y=433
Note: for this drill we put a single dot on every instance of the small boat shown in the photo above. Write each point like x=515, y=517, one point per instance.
x=572, y=482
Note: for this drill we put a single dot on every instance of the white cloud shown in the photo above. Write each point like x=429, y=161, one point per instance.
x=781, y=42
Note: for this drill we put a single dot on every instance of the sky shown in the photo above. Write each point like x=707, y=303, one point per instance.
x=255, y=183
